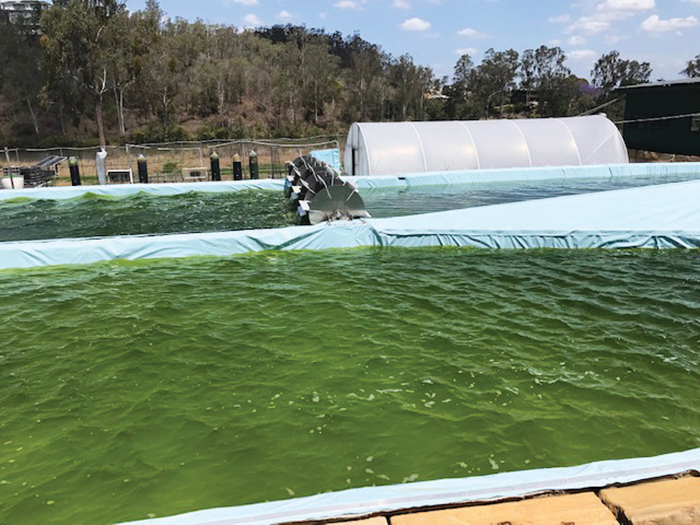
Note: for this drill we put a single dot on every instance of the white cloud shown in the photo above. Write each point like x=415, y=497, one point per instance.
x=466, y=51
x=558, y=19
x=655, y=25
x=245, y=2
x=415, y=24
x=614, y=39
x=607, y=12
x=285, y=15
x=401, y=4
x=472, y=33
x=582, y=54
x=577, y=40
x=349, y=4
x=626, y=5
x=589, y=25
x=252, y=20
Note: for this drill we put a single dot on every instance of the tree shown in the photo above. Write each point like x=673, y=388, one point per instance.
x=364, y=73
x=77, y=40
x=460, y=93
x=496, y=76
x=543, y=70
x=21, y=76
x=409, y=84
x=323, y=73
x=132, y=38
x=610, y=71
x=692, y=69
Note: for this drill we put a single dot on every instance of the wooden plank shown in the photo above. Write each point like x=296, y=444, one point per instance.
x=370, y=521
x=575, y=509
x=666, y=502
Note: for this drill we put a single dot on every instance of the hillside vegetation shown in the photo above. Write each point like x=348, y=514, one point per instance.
x=89, y=71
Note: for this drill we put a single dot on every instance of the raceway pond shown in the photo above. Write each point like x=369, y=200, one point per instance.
x=98, y=216
x=151, y=388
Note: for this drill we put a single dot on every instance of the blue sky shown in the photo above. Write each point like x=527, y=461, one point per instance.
x=665, y=33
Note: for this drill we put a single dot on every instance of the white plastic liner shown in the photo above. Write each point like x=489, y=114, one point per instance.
x=368, y=501
x=390, y=148
x=123, y=190
x=664, y=216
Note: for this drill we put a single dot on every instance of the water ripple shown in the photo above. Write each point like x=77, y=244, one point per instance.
x=158, y=387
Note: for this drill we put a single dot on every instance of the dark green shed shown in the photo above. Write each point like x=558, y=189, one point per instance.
x=663, y=117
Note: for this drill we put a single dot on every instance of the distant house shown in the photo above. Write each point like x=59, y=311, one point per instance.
x=663, y=117
x=26, y=11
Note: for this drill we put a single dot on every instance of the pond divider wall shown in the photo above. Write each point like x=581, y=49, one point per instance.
x=377, y=500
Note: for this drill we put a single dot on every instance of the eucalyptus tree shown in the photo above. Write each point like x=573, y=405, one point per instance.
x=611, y=71
x=20, y=76
x=692, y=68
x=496, y=77
x=543, y=70
x=78, y=42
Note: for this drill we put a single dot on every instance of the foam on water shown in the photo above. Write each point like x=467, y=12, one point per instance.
x=159, y=387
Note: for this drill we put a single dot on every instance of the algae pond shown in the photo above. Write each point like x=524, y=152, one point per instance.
x=99, y=216
x=132, y=390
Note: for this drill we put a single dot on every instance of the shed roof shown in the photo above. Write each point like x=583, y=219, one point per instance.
x=661, y=83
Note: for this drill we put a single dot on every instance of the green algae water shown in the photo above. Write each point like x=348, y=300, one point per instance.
x=96, y=216
x=395, y=202
x=130, y=390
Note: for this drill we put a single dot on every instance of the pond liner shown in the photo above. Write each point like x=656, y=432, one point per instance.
x=356, y=503
x=663, y=216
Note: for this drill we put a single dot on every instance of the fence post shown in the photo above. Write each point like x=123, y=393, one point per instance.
x=74, y=171
x=142, y=164
x=253, y=163
x=215, y=167
x=237, y=167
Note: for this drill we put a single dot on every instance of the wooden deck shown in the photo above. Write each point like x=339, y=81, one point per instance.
x=665, y=502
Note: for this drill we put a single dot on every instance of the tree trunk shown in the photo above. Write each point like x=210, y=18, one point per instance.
x=35, y=123
x=165, y=106
x=222, y=96
x=62, y=120
x=362, y=99
x=100, y=123
x=316, y=101
x=119, y=99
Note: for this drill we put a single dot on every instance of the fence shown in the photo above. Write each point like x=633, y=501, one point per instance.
x=166, y=161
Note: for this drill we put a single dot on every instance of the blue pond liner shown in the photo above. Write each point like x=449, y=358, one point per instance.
x=391, y=499
x=663, y=216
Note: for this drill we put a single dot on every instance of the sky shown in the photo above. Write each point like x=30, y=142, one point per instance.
x=665, y=33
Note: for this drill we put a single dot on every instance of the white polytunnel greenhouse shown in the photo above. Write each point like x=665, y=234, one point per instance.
x=395, y=148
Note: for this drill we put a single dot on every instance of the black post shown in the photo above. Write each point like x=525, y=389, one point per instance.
x=237, y=167
x=142, y=164
x=74, y=171
x=215, y=166
x=253, y=162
